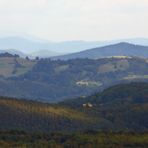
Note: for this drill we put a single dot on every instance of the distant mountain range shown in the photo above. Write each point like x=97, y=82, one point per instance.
x=44, y=54
x=44, y=48
x=120, y=49
x=25, y=46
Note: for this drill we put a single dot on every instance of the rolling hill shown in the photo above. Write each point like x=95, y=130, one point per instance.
x=120, y=49
x=52, y=81
x=119, y=108
x=34, y=116
x=12, y=65
x=125, y=105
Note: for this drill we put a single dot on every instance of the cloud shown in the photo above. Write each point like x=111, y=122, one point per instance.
x=75, y=19
x=18, y=6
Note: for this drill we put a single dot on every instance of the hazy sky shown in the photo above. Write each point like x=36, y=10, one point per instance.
x=60, y=20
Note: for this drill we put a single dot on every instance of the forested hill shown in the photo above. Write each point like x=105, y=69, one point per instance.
x=35, y=117
x=132, y=93
x=120, y=108
x=124, y=105
x=119, y=49
x=54, y=81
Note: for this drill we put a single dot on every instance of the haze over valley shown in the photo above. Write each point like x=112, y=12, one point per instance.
x=26, y=46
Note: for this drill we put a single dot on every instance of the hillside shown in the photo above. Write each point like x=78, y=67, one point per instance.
x=124, y=105
x=134, y=92
x=119, y=108
x=12, y=65
x=35, y=116
x=120, y=49
x=53, y=81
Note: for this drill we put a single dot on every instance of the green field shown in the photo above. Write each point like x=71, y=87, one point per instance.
x=12, y=66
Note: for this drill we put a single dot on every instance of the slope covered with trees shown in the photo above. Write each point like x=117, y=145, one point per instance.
x=35, y=116
x=119, y=49
x=120, y=108
x=53, y=81
x=125, y=106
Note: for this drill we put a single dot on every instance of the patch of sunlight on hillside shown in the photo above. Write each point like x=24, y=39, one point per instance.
x=131, y=77
x=44, y=109
x=10, y=66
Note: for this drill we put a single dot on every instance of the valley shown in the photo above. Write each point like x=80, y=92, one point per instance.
x=73, y=74
x=45, y=99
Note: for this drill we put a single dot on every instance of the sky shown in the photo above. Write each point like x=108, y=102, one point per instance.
x=62, y=20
